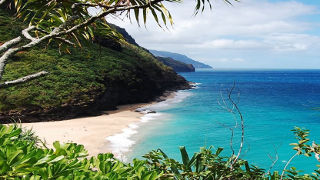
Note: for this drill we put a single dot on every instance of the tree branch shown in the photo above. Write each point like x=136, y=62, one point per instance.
x=5, y=57
x=26, y=34
x=23, y=79
x=105, y=13
x=10, y=44
x=58, y=38
x=65, y=41
x=285, y=167
x=60, y=31
x=242, y=125
x=274, y=161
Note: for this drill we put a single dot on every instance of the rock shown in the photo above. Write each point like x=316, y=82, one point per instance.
x=139, y=110
x=144, y=111
x=151, y=111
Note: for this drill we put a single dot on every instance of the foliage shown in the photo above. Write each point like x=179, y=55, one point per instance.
x=22, y=156
x=176, y=65
x=51, y=20
x=75, y=79
x=74, y=18
x=22, y=159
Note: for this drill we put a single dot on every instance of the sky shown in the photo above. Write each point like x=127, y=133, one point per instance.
x=263, y=34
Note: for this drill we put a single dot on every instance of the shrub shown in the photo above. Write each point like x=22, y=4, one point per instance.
x=24, y=156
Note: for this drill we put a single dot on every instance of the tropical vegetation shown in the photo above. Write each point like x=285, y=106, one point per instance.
x=60, y=79
x=67, y=22
x=101, y=74
x=24, y=156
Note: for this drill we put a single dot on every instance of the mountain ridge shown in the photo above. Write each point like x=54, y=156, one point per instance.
x=176, y=65
x=179, y=57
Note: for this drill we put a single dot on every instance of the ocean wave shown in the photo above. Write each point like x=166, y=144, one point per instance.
x=121, y=143
x=195, y=85
x=178, y=98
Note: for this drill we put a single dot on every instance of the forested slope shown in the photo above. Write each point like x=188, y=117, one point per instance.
x=100, y=75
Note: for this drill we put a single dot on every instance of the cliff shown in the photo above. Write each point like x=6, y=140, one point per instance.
x=99, y=76
x=176, y=65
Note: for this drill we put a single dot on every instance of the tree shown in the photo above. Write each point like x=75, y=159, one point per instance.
x=67, y=21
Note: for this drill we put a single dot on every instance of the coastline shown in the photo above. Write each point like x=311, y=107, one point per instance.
x=92, y=132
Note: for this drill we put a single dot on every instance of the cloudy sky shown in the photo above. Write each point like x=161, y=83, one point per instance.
x=249, y=34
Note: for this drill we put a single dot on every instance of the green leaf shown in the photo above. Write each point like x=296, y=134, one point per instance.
x=184, y=156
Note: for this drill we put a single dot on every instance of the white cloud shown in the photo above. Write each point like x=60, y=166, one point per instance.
x=273, y=42
x=257, y=26
x=229, y=60
x=292, y=42
x=228, y=44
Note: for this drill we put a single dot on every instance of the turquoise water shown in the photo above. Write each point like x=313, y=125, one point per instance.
x=272, y=102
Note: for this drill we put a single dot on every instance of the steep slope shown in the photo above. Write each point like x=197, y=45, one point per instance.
x=125, y=34
x=90, y=79
x=176, y=65
x=180, y=57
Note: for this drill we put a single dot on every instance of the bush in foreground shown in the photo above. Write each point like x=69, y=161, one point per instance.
x=24, y=156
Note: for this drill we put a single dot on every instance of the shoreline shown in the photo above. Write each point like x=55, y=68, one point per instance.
x=92, y=132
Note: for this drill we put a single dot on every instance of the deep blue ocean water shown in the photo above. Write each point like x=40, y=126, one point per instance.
x=272, y=102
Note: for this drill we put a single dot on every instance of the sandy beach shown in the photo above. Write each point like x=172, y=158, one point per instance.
x=90, y=131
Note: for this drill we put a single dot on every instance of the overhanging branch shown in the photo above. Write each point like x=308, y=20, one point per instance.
x=23, y=79
x=62, y=30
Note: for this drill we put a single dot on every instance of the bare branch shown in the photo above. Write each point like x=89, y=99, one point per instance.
x=58, y=38
x=242, y=124
x=10, y=44
x=23, y=79
x=231, y=140
x=5, y=57
x=65, y=41
x=285, y=167
x=26, y=34
x=274, y=161
x=234, y=110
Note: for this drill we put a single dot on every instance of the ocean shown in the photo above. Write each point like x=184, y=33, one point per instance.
x=272, y=102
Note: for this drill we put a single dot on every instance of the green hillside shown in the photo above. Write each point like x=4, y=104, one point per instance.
x=90, y=79
x=176, y=65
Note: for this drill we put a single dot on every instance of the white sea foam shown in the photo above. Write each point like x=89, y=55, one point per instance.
x=121, y=143
x=179, y=97
x=196, y=85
